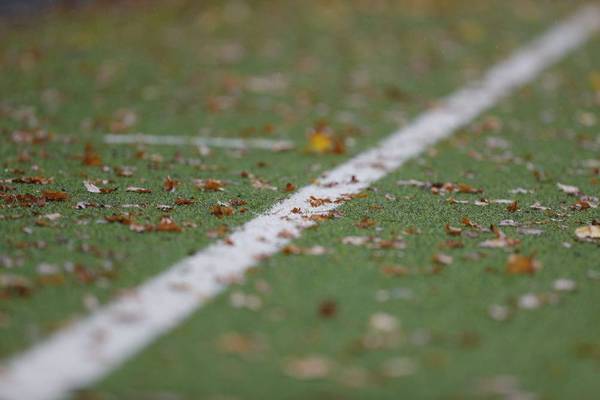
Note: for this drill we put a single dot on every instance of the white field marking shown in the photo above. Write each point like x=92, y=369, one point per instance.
x=228, y=143
x=89, y=349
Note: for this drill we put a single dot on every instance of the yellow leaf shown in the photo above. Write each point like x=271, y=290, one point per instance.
x=595, y=80
x=320, y=142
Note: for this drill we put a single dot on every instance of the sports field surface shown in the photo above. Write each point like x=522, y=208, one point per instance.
x=231, y=200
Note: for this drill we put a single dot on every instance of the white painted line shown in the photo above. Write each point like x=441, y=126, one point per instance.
x=181, y=140
x=89, y=349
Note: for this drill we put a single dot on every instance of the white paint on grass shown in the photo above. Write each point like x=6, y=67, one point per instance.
x=180, y=140
x=87, y=350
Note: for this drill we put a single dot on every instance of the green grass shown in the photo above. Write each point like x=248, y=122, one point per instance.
x=169, y=66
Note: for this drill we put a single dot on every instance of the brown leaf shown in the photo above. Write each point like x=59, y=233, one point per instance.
x=328, y=308
x=84, y=274
x=169, y=184
x=14, y=285
x=180, y=201
x=519, y=264
x=395, y=270
x=166, y=224
x=212, y=185
x=452, y=231
x=51, y=195
x=124, y=219
x=220, y=211
x=90, y=157
x=318, y=201
x=33, y=180
x=366, y=223
x=513, y=207
x=24, y=200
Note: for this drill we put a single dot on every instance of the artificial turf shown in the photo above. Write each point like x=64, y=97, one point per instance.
x=362, y=70
x=447, y=334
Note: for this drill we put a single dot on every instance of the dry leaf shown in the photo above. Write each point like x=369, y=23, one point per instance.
x=452, y=231
x=180, y=201
x=136, y=189
x=519, y=264
x=220, y=210
x=366, y=223
x=90, y=187
x=310, y=367
x=33, y=180
x=320, y=141
x=212, y=185
x=50, y=195
x=90, y=157
x=588, y=232
x=513, y=207
x=442, y=259
x=170, y=185
x=568, y=189
x=166, y=224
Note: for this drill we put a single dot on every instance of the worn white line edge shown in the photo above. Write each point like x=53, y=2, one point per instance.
x=181, y=140
x=89, y=349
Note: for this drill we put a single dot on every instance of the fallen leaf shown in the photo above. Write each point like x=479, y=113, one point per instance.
x=166, y=224
x=90, y=187
x=395, y=270
x=366, y=223
x=442, y=259
x=309, y=367
x=568, y=189
x=220, y=210
x=356, y=240
x=212, y=185
x=50, y=195
x=170, y=185
x=124, y=219
x=513, y=207
x=180, y=201
x=136, y=189
x=236, y=343
x=320, y=141
x=90, y=157
x=398, y=367
x=328, y=308
x=501, y=240
x=564, y=285
x=452, y=231
x=588, y=232
x=33, y=180
x=318, y=201
x=519, y=264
